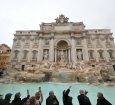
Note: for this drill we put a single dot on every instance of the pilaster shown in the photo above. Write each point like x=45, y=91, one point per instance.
x=40, y=53
x=73, y=49
x=51, y=52
x=85, y=51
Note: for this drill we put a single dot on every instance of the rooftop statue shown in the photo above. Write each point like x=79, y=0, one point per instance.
x=62, y=19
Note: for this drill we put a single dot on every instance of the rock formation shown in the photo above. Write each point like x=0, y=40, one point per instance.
x=76, y=72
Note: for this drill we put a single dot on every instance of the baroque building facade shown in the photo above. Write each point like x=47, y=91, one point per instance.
x=4, y=56
x=62, y=42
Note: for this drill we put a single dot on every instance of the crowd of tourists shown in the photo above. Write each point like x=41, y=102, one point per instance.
x=37, y=99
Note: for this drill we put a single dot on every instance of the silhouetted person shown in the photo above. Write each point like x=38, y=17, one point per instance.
x=52, y=100
x=25, y=101
x=67, y=100
x=38, y=97
x=101, y=100
x=83, y=99
x=1, y=99
x=32, y=100
x=17, y=99
x=7, y=99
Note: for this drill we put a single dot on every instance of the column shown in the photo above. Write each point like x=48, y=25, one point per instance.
x=12, y=52
x=51, y=51
x=21, y=54
x=69, y=55
x=55, y=54
x=73, y=49
x=113, y=47
x=29, y=56
x=40, y=53
x=96, y=55
x=105, y=53
x=84, y=50
x=66, y=55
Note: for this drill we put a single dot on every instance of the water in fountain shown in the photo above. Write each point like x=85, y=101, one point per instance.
x=109, y=92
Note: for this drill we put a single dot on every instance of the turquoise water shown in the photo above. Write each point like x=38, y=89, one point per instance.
x=109, y=92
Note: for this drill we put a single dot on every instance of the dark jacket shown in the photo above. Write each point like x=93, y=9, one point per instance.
x=67, y=100
x=83, y=100
x=52, y=100
x=103, y=101
x=1, y=100
x=6, y=102
x=16, y=101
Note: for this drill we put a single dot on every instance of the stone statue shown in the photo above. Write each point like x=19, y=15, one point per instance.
x=79, y=55
x=74, y=65
x=46, y=55
x=62, y=19
x=52, y=65
x=62, y=56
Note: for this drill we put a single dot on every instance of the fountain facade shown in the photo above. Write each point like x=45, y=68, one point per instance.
x=62, y=49
x=62, y=43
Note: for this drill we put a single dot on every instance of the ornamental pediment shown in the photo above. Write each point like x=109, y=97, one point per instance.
x=62, y=24
x=61, y=19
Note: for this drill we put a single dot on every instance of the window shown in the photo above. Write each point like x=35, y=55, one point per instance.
x=90, y=54
x=34, y=54
x=46, y=42
x=25, y=54
x=110, y=54
x=16, y=54
x=101, y=54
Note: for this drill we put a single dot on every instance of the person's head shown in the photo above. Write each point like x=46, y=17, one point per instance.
x=81, y=91
x=37, y=95
x=32, y=100
x=51, y=93
x=100, y=95
x=17, y=95
x=25, y=101
x=8, y=96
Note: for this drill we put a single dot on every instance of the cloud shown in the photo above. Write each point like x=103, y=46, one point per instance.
x=28, y=14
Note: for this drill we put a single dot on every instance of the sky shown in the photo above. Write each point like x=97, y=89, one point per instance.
x=29, y=14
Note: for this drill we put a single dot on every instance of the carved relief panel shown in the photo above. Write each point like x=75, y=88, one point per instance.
x=108, y=43
x=27, y=42
x=78, y=42
x=98, y=43
x=89, y=42
x=18, y=43
x=46, y=42
x=35, y=42
x=91, y=54
x=26, y=45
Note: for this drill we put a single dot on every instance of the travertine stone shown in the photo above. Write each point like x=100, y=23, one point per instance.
x=64, y=41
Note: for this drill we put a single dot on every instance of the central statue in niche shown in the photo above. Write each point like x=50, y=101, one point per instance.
x=62, y=52
x=62, y=56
